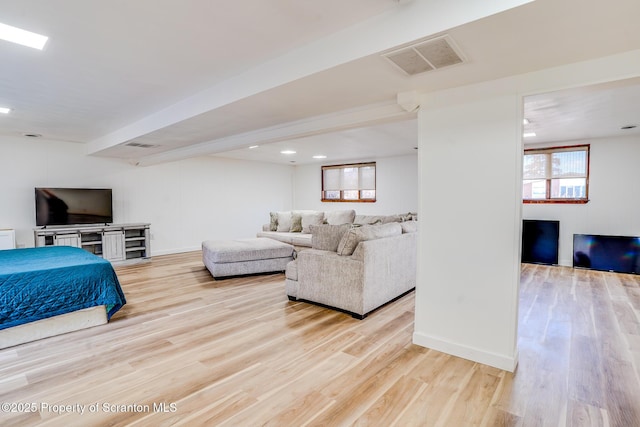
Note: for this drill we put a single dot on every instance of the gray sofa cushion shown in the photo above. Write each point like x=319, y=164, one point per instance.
x=327, y=237
x=297, y=239
x=359, y=234
x=301, y=239
x=340, y=217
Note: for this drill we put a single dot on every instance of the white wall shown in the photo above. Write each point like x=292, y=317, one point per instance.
x=614, y=200
x=467, y=290
x=396, y=192
x=186, y=202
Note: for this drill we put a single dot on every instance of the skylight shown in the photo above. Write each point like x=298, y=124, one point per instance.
x=23, y=37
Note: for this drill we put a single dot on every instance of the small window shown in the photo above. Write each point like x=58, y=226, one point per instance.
x=556, y=175
x=349, y=183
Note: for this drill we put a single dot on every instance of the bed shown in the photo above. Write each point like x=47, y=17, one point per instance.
x=51, y=290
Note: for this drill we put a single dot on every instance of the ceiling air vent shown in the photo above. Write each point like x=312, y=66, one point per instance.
x=140, y=145
x=426, y=56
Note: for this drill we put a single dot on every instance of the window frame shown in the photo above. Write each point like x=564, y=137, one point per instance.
x=559, y=200
x=342, y=199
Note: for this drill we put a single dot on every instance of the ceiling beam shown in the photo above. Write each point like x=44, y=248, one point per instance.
x=349, y=119
x=404, y=24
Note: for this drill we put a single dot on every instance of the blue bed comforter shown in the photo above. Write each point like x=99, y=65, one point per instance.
x=37, y=283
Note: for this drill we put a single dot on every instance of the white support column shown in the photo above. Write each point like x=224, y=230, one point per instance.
x=470, y=161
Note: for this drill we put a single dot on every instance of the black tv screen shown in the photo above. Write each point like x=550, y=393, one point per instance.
x=540, y=241
x=607, y=253
x=72, y=206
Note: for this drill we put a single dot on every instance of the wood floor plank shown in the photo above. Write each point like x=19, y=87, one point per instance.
x=237, y=352
x=393, y=403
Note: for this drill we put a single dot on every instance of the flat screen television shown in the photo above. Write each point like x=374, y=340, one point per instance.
x=73, y=206
x=607, y=253
x=540, y=241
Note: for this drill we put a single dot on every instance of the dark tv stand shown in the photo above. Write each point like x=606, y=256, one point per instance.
x=118, y=243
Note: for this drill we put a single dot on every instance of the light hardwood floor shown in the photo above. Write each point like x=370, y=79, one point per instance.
x=236, y=352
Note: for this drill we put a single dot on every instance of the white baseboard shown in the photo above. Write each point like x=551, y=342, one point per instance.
x=175, y=251
x=566, y=262
x=499, y=361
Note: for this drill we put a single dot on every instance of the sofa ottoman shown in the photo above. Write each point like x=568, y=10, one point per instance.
x=245, y=256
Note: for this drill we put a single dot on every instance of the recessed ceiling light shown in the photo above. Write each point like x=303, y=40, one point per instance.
x=320, y=156
x=5, y=110
x=525, y=121
x=287, y=152
x=253, y=146
x=628, y=127
x=528, y=134
x=23, y=37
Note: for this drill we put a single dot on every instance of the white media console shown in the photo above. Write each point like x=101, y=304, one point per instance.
x=117, y=243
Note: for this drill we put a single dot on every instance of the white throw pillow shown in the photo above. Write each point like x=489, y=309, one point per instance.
x=340, y=217
x=284, y=221
x=312, y=218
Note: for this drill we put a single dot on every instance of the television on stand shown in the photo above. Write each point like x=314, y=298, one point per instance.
x=73, y=206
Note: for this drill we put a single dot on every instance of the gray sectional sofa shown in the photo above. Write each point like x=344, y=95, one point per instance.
x=293, y=227
x=355, y=269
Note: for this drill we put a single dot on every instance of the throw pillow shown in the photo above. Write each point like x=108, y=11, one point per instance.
x=411, y=216
x=363, y=233
x=309, y=219
x=340, y=217
x=409, y=226
x=284, y=221
x=349, y=240
x=296, y=223
x=327, y=237
x=273, y=223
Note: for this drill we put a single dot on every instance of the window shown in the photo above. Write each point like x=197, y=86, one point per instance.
x=556, y=175
x=349, y=183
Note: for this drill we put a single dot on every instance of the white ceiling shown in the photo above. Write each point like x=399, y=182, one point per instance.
x=585, y=112
x=203, y=77
x=362, y=144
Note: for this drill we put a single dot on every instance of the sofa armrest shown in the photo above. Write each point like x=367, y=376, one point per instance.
x=328, y=278
x=389, y=267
